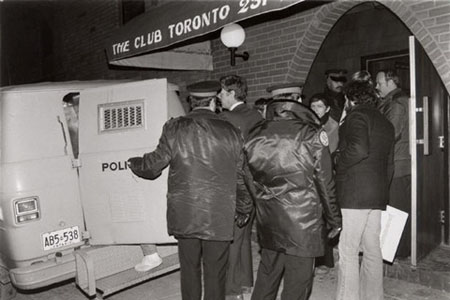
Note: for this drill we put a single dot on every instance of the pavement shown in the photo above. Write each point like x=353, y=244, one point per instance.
x=401, y=282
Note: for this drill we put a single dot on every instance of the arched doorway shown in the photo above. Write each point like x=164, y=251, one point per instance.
x=372, y=35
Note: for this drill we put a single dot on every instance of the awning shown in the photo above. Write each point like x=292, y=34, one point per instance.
x=179, y=21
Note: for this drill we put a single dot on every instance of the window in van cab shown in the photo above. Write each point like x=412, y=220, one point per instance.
x=121, y=115
x=71, y=107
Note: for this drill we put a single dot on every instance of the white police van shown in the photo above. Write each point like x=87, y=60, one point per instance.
x=69, y=207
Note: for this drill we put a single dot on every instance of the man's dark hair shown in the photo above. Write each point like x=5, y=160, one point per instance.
x=361, y=92
x=319, y=97
x=195, y=101
x=392, y=75
x=362, y=75
x=235, y=83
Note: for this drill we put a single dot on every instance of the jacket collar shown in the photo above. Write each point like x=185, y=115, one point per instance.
x=201, y=110
x=236, y=106
x=283, y=109
x=389, y=97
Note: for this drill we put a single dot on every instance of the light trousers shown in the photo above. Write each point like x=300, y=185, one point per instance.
x=360, y=231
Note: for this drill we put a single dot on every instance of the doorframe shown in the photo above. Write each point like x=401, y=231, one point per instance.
x=412, y=147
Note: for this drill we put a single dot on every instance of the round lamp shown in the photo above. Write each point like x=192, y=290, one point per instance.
x=232, y=35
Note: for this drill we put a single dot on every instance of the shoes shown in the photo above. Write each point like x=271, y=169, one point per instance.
x=148, y=262
x=322, y=270
x=234, y=297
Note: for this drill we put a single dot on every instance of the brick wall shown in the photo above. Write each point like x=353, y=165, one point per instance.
x=85, y=26
x=282, y=46
x=301, y=35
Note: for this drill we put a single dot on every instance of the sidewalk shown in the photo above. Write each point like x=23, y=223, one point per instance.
x=324, y=287
x=432, y=271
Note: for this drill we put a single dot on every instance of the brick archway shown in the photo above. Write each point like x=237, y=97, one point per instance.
x=325, y=18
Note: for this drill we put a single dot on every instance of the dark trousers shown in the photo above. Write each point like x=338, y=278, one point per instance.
x=240, y=264
x=215, y=259
x=297, y=271
x=400, y=197
x=327, y=259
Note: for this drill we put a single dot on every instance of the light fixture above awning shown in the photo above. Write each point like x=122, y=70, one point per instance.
x=136, y=43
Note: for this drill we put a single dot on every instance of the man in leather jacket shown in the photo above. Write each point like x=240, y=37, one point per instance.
x=205, y=189
x=290, y=163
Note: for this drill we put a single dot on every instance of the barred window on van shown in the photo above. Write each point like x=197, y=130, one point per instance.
x=121, y=115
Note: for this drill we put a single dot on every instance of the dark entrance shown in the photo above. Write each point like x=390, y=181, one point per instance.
x=367, y=33
x=431, y=153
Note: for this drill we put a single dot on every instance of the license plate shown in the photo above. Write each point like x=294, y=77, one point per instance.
x=61, y=238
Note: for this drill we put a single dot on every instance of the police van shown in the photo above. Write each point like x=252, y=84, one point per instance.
x=69, y=206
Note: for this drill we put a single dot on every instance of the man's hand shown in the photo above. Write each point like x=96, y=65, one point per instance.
x=241, y=219
x=133, y=161
x=334, y=232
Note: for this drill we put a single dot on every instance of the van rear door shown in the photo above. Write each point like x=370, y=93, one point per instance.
x=118, y=122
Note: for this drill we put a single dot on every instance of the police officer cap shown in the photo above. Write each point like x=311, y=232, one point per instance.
x=337, y=74
x=204, y=88
x=284, y=88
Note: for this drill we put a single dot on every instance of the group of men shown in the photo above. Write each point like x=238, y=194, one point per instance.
x=227, y=168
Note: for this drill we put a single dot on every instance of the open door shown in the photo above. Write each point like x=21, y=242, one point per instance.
x=429, y=153
x=118, y=122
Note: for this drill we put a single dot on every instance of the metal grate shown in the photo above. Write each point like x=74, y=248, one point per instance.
x=121, y=115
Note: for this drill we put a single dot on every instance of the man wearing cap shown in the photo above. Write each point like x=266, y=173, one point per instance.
x=205, y=189
x=290, y=90
x=336, y=78
x=293, y=181
x=240, y=267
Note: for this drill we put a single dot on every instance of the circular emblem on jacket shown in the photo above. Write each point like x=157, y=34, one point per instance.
x=323, y=137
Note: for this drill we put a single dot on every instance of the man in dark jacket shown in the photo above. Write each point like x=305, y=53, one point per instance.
x=336, y=78
x=290, y=163
x=363, y=172
x=205, y=189
x=240, y=264
x=394, y=105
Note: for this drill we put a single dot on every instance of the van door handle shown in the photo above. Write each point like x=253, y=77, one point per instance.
x=64, y=134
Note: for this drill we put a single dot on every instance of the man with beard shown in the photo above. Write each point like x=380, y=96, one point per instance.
x=336, y=78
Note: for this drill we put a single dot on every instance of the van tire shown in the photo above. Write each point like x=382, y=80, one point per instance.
x=7, y=291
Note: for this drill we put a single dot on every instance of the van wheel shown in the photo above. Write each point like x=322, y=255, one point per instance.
x=7, y=291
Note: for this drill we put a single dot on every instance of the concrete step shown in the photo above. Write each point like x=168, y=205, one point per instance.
x=433, y=271
x=104, y=270
x=120, y=281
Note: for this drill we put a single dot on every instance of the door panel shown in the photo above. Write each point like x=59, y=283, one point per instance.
x=116, y=123
x=431, y=160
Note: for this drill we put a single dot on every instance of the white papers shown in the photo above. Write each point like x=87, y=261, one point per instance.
x=393, y=222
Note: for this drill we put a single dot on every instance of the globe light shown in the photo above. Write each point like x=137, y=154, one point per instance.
x=232, y=36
